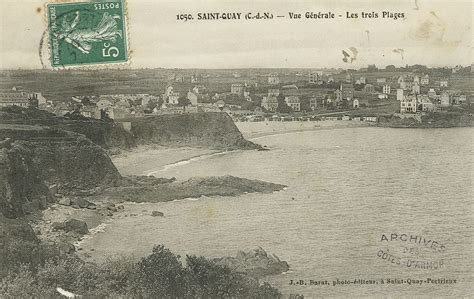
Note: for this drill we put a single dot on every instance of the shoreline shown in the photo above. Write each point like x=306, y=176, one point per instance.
x=254, y=130
x=150, y=159
x=145, y=160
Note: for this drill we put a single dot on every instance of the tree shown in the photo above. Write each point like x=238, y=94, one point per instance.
x=86, y=101
x=282, y=105
x=183, y=101
x=163, y=274
x=151, y=105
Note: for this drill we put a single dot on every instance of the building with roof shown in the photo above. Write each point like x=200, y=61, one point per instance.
x=237, y=88
x=13, y=98
x=294, y=103
x=355, y=104
x=400, y=94
x=408, y=104
x=425, y=80
x=369, y=88
x=270, y=103
x=273, y=79
x=347, y=90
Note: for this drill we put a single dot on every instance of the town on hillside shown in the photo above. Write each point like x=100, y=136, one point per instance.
x=246, y=95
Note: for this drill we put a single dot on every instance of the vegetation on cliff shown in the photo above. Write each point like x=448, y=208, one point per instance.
x=211, y=130
x=158, y=275
x=150, y=189
x=46, y=160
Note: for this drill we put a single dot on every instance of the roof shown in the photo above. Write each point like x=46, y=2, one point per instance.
x=292, y=86
x=12, y=97
x=270, y=99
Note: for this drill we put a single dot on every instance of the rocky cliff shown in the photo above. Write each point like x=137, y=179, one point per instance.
x=214, y=130
x=33, y=172
x=257, y=263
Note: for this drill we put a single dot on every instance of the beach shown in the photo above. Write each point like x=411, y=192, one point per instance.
x=252, y=130
x=165, y=161
x=144, y=160
x=326, y=203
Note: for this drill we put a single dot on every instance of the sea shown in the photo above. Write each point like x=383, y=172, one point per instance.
x=367, y=212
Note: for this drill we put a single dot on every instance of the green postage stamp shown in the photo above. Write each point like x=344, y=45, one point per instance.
x=84, y=33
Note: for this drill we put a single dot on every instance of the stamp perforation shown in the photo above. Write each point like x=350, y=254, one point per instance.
x=46, y=40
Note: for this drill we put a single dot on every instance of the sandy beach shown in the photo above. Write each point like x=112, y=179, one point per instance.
x=146, y=159
x=252, y=130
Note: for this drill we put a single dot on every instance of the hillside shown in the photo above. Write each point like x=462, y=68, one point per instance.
x=213, y=130
x=210, y=130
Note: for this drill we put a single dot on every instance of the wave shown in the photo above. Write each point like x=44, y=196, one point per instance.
x=188, y=161
x=98, y=229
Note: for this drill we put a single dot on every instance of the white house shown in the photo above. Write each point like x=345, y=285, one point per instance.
x=355, y=103
x=270, y=103
x=293, y=102
x=408, y=104
x=425, y=80
x=399, y=94
x=273, y=79
x=237, y=88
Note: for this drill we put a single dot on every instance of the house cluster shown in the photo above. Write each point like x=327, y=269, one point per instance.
x=319, y=78
x=291, y=98
x=345, y=93
x=115, y=106
x=273, y=79
x=175, y=92
x=19, y=96
x=434, y=100
x=183, y=98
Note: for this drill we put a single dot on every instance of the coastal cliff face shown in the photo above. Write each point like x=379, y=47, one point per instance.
x=213, y=130
x=21, y=188
x=108, y=135
x=32, y=172
x=74, y=165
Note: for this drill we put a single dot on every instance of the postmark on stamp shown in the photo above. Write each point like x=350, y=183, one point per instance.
x=85, y=33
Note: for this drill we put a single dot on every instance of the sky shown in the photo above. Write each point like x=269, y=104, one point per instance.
x=434, y=33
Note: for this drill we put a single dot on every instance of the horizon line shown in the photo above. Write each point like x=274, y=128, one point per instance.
x=121, y=68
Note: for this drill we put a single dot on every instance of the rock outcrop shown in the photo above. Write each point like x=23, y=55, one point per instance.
x=257, y=263
x=33, y=172
x=213, y=130
x=150, y=189
x=22, y=189
x=72, y=225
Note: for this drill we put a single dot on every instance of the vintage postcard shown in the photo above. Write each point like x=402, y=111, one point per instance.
x=236, y=149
